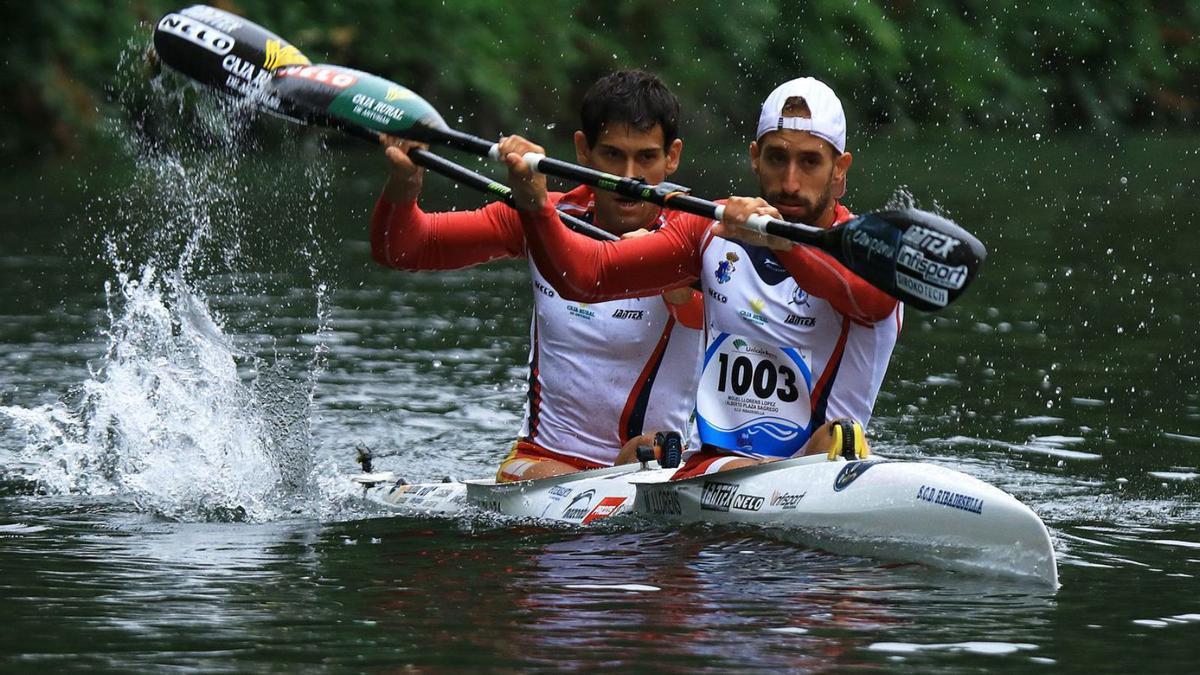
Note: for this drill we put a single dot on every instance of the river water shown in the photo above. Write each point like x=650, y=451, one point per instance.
x=194, y=342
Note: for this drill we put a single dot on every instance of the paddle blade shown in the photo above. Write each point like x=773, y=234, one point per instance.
x=923, y=259
x=224, y=51
x=356, y=98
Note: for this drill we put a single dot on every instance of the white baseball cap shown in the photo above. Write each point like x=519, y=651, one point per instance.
x=826, y=118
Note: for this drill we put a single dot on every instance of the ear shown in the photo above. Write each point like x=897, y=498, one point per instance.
x=841, y=165
x=673, y=154
x=754, y=153
x=583, y=152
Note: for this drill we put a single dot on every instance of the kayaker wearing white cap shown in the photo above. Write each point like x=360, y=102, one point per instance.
x=794, y=339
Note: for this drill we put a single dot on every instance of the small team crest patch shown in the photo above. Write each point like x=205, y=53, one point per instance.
x=725, y=268
x=799, y=297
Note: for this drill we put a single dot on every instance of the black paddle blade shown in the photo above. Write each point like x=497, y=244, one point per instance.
x=342, y=96
x=924, y=260
x=224, y=51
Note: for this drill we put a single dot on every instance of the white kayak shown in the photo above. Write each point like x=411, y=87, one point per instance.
x=893, y=510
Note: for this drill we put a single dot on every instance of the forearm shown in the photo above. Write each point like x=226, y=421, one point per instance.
x=824, y=277
x=405, y=237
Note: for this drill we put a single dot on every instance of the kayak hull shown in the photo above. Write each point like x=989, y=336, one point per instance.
x=900, y=511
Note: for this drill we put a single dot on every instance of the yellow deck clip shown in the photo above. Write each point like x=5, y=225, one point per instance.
x=847, y=440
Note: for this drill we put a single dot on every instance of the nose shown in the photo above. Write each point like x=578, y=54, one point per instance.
x=791, y=179
x=630, y=168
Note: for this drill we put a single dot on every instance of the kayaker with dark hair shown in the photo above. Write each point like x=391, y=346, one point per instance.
x=602, y=377
x=794, y=339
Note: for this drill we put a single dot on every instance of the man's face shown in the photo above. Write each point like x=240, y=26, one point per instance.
x=627, y=152
x=798, y=174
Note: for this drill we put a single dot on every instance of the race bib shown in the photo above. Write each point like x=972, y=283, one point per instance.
x=754, y=397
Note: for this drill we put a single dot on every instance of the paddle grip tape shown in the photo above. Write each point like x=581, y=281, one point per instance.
x=532, y=159
x=756, y=222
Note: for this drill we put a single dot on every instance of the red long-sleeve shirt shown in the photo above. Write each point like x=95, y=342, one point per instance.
x=592, y=271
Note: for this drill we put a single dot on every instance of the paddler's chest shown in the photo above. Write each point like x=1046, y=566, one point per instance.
x=748, y=292
x=631, y=325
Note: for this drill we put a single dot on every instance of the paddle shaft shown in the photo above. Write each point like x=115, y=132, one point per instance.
x=666, y=195
x=918, y=257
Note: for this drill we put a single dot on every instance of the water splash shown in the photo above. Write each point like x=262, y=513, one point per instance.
x=167, y=420
x=192, y=413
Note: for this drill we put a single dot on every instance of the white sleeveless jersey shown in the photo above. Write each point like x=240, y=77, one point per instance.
x=602, y=373
x=779, y=362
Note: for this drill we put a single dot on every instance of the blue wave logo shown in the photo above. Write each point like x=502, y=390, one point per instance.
x=850, y=473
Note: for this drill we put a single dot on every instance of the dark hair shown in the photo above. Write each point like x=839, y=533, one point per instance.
x=632, y=97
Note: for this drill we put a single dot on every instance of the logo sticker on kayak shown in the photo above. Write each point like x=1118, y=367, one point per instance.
x=606, y=507
x=717, y=496
x=850, y=473
x=663, y=502
x=578, y=508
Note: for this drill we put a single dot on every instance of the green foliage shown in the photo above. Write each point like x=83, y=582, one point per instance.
x=521, y=66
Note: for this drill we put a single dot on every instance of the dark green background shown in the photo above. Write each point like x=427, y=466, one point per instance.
x=517, y=66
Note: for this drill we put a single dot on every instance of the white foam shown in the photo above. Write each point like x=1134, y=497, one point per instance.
x=1176, y=542
x=973, y=647
x=788, y=630
x=1182, y=437
x=635, y=588
x=1038, y=420
x=22, y=528
x=1175, y=475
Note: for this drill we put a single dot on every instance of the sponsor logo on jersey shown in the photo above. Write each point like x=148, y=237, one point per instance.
x=786, y=500
x=773, y=265
x=949, y=499
x=543, y=289
x=606, y=507
x=581, y=311
x=717, y=496
x=635, y=314
x=799, y=297
x=719, y=297
x=579, y=506
x=726, y=268
x=663, y=502
x=195, y=32
x=850, y=473
x=747, y=502
x=805, y=321
x=754, y=315
x=281, y=54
